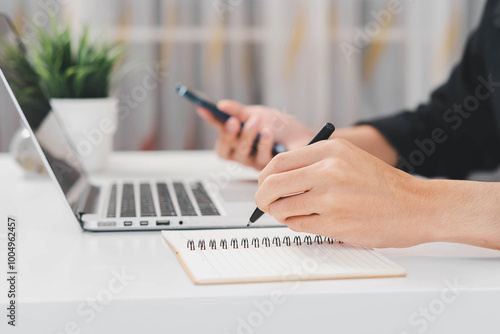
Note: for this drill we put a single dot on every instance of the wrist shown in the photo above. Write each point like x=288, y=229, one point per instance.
x=458, y=211
x=419, y=210
x=427, y=210
x=432, y=212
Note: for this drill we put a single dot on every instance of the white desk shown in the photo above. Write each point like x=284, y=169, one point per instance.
x=61, y=269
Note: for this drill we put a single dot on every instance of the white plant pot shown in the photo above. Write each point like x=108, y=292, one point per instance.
x=90, y=125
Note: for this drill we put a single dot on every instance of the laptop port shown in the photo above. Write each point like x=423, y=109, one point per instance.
x=127, y=223
x=106, y=224
x=144, y=223
x=162, y=222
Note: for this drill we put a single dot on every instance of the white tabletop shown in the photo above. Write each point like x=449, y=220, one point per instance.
x=67, y=278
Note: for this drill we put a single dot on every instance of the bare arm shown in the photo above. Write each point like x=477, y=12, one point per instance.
x=345, y=193
x=463, y=211
x=370, y=140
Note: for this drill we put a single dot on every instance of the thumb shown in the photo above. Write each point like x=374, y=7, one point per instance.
x=234, y=108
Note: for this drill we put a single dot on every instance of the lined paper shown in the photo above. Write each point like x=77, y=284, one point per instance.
x=273, y=263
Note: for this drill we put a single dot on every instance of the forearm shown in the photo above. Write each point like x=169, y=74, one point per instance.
x=459, y=211
x=370, y=140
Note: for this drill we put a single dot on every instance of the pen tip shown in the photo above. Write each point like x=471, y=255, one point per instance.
x=249, y=223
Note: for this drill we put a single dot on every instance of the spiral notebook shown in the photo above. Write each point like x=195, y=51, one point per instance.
x=272, y=254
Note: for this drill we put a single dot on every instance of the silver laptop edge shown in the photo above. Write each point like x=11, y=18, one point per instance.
x=89, y=203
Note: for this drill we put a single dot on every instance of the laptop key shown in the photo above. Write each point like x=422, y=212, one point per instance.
x=187, y=208
x=112, y=203
x=147, y=203
x=166, y=205
x=205, y=203
x=128, y=201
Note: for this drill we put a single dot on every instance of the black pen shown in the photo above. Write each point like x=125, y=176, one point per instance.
x=323, y=134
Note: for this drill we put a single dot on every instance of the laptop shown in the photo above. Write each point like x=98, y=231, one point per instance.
x=115, y=205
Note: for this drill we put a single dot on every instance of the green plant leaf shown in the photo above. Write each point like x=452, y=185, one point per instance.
x=85, y=73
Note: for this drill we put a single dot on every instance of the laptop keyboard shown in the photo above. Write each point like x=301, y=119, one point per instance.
x=166, y=205
x=147, y=203
x=187, y=208
x=128, y=201
x=165, y=198
x=207, y=207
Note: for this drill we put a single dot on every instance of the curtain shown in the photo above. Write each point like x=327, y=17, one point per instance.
x=318, y=60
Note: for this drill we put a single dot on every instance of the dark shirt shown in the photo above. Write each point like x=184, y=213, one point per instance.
x=457, y=131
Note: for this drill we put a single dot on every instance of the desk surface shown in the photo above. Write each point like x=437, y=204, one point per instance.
x=78, y=282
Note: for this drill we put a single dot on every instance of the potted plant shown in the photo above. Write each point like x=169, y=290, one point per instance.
x=77, y=77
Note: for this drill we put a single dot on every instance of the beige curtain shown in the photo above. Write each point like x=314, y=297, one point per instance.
x=288, y=54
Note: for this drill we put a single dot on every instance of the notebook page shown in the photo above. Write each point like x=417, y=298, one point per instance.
x=263, y=255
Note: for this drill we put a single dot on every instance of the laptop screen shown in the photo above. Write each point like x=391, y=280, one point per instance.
x=24, y=83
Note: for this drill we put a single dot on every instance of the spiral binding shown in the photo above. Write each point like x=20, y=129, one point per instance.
x=234, y=243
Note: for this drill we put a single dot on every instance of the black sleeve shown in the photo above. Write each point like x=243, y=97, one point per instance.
x=456, y=132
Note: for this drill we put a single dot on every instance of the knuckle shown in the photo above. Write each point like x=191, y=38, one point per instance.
x=227, y=136
x=336, y=207
x=339, y=144
x=259, y=115
x=322, y=146
x=271, y=181
x=296, y=225
x=257, y=109
x=327, y=165
x=278, y=161
x=334, y=165
x=324, y=143
x=330, y=199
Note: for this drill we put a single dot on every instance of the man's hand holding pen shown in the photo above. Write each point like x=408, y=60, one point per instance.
x=344, y=193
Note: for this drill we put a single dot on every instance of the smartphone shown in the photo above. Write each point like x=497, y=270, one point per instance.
x=196, y=98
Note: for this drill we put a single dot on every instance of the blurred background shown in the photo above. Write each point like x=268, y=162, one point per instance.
x=319, y=60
